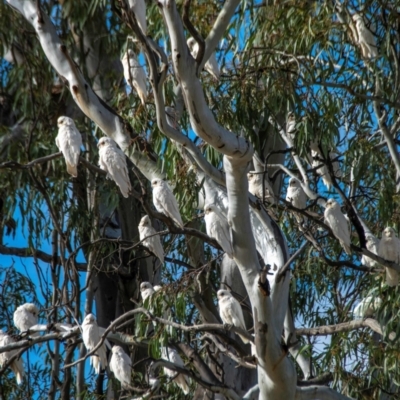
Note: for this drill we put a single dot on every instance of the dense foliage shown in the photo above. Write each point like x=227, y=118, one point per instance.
x=75, y=240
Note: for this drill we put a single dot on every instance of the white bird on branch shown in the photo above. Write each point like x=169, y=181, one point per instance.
x=335, y=219
x=291, y=126
x=165, y=202
x=16, y=366
x=69, y=142
x=25, y=317
x=134, y=74
x=147, y=235
x=295, y=195
x=113, y=161
x=218, y=228
x=91, y=337
x=367, y=307
x=211, y=65
x=389, y=249
x=139, y=8
x=181, y=380
x=323, y=170
x=146, y=290
x=366, y=39
x=372, y=244
x=121, y=365
x=230, y=311
x=256, y=188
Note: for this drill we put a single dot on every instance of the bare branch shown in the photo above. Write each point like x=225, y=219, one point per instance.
x=343, y=327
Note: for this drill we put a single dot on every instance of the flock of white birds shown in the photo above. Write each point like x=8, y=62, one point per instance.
x=112, y=160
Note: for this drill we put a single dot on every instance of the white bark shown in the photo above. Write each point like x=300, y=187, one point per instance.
x=201, y=118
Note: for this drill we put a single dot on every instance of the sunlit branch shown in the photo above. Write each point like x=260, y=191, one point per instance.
x=342, y=327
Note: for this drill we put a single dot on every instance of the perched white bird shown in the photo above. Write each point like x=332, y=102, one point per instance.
x=335, y=219
x=372, y=244
x=113, y=161
x=120, y=365
x=153, y=242
x=367, y=307
x=256, y=187
x=366, y=39
x=139, y=8
x=16, y=366
x=91, y=337
x=211, y=65
x=218, y=228
x=69, y=142
x=165, y=202
x=291, y=126
x=295, y=195
x=146, y=290
x=134, y=74
x=172, y=355
x=230, y=311
x=389, y=249
x=25, y=317
x=323, y=170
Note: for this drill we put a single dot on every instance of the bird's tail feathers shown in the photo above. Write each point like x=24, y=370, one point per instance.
x=72, y=170
x=392, y=277
x=95, y=361
x=346, y=248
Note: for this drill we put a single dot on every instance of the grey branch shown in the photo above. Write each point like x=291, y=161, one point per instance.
x=342, y=327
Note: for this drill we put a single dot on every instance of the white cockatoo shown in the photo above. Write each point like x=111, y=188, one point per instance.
x=256, y=187
x=113, y=161
x=69, y=142
x=153, y=242
x=121, y=365
x=25, y=317
x=217, y=227
x=171, y=355
x=139, y=8
x=323, y=170
x=165, y=202
x=146, y=290
x=134, y=74
x=389, y=249
x=91, y=337
x=335, y=219
x=366, y=39
x=16, y=366
x=372, y=244
x=367, y=307
x=230, y=311
x=211, y=65
x=295, y=195
x=291, y=126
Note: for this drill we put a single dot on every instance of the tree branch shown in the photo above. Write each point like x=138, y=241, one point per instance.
x=342, y=327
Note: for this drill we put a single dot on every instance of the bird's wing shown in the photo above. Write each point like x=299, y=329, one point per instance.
x=223, y=237
x=116, y=166
x=212, y=66
x=139, y=81
x=167, y=202
x=237, y=314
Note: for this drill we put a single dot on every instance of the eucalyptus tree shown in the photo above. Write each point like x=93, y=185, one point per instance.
x=307, y=91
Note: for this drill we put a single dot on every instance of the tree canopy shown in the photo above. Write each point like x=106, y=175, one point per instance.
x=302, y=108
